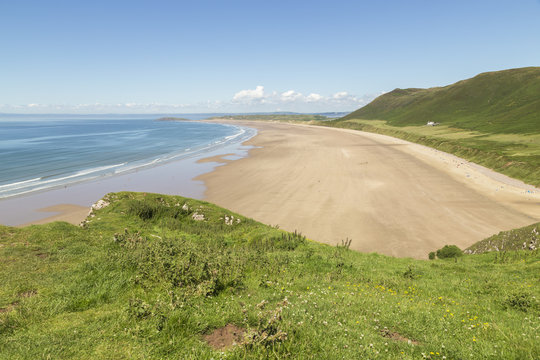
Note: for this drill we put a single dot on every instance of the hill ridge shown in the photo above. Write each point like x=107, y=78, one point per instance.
x=503, y=101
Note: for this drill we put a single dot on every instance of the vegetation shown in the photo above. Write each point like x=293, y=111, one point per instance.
x=525, y=238
x=163, y=277
x=501, y=102
x=492, y=119
x=448, y=252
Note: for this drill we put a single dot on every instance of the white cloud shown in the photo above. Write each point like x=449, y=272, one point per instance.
x=313, y=97
x=340, y=95
x=290, y=95
x=248, y=100
x=249, y=95
x=259, y=100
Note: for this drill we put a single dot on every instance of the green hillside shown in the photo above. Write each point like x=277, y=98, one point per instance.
x=525, y=238
x=163, y=277
x=492, y=119
x=495, y=102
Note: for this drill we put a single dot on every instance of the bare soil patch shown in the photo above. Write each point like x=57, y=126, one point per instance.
x=397, y=336
x=225, y=337
x=28, y=293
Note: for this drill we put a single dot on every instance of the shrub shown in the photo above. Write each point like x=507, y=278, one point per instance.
x=142, y=209
x=449, y=251
x=410, y=273
x=182, y=265
x=431, y=255
x=520, y=300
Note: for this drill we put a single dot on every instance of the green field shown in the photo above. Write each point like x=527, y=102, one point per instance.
x=492, y=119
x=151, y=276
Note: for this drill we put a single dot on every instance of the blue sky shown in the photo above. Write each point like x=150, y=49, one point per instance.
x=223, y=56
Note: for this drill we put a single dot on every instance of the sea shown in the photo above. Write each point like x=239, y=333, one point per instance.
x=44, y=152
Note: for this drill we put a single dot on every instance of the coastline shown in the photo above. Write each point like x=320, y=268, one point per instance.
x=176, y=177
x=387, y=195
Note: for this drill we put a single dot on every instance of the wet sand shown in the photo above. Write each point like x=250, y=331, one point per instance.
x=387, y=195
x=67, y=203
x=73, y=214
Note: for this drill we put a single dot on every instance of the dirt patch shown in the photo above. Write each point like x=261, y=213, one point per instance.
x=397, y=336
x=225, y=337
x=28, y=293
x=42, y=255
x=9, y=308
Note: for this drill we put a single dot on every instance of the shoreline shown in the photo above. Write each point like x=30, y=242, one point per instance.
x=389, y=195
x=177, y=177
x=333, y=184
x=73, y=214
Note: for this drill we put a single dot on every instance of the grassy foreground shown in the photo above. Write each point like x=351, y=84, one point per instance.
x=492, y=119
x=153, y=276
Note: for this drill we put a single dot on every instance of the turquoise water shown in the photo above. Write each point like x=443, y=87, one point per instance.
x=38, y=154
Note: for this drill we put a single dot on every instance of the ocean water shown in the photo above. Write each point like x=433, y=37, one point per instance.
x=42, y=153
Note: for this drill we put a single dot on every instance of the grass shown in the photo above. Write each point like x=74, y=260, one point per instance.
x=144, y=280
x=492, y=119
x=500, y=102
x=525, y=238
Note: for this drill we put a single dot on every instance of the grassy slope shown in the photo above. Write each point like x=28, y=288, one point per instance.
x=152, y=290
x=492, y=119
x=497, y=102
x=527, y=237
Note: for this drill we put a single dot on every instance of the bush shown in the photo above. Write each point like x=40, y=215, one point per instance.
x=431, y=255
x=520, y=300
x=449, y=251
x=142, y=209
x=182, y=265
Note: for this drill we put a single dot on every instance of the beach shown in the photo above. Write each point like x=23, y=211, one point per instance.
x=385, y=194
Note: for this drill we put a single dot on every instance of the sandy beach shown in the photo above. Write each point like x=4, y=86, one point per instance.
x=387, y=195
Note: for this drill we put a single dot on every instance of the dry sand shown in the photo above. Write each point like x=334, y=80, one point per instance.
x=73, y=214
x=387, y=195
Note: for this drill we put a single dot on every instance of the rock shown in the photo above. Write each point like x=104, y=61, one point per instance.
x=100, y=205
x=197, y=217
x=230, y=220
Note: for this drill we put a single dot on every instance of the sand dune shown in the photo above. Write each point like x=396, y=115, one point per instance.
x=387, y=195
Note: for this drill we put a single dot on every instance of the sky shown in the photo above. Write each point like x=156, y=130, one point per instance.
x=249, y=56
